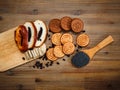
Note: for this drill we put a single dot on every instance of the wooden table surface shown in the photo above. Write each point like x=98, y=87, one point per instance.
x=101, y=18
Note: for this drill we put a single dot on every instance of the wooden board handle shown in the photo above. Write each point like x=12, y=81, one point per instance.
x=105, y=42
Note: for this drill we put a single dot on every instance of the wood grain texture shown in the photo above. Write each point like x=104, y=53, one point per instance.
x=101, y=18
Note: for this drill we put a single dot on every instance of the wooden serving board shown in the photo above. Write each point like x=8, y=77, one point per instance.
x=10, y=56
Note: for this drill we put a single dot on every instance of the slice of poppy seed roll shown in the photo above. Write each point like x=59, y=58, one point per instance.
x=41, y=32
x=32, y=34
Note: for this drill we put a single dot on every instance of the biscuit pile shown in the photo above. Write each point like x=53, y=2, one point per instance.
x=64, y=41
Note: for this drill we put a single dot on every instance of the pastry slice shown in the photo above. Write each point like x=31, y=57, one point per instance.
x=21, y=38
x=32, y=34
x=41, y=32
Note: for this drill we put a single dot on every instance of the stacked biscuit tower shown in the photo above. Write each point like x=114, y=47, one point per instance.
x=30, y=39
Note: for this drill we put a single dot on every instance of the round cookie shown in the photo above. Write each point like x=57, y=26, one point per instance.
x=58, y=51
x=66, y=23
x=66, y=38
x=50, y=55
x=82, y=40
x=68, y=48
x=77, y=25
x=56, y=38
x=54, y=25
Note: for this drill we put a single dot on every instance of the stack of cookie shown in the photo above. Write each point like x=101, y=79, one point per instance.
x=64, y=41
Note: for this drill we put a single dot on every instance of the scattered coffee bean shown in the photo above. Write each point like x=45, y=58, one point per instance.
x=79, y=47
x=77, y=50
x=23, y=58
x=43, y=67
x=53, y=45
x=49, y=39
x=48, y=35
x=68, y=55
x=58, y=63
x=63, y=59
x=51, y=63
x=75, y=45
x=50, y=46
x=33, y=66
x=46, y=65
x=37, y=80
x=83, y=31
x=37, y=64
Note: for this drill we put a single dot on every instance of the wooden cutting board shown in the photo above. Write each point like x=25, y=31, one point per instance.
x=10, y=56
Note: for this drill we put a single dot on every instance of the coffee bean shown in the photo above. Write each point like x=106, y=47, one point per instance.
x=63, y=59
x=49, y=39
x=37, y=64
x=75, y=45
x=68, y=55
x=83, y=31
x=77, y=50
x=79, y=47
x=33, y=66
x=23, y=58
x=51, y=63
x=48, y=35
x=58, y=63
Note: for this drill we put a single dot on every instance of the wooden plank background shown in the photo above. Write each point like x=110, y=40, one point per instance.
x=101, y=18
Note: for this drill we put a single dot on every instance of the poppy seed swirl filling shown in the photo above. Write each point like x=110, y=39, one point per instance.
x=29, y=34
x=40, y=33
